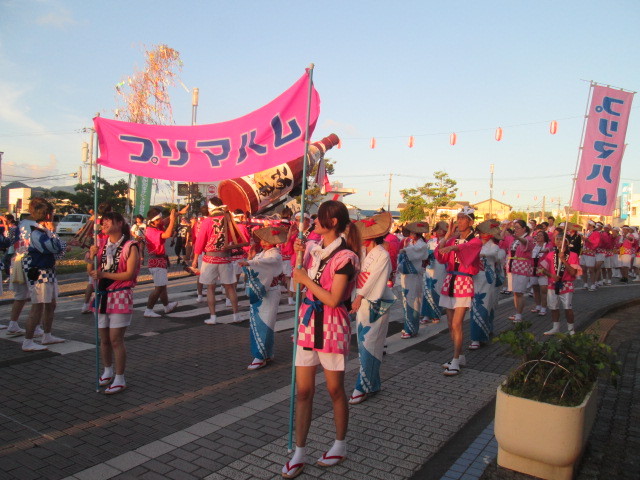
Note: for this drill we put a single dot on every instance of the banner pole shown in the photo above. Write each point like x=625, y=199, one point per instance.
x=95, y=264
x=299, y=261
x=580, y=148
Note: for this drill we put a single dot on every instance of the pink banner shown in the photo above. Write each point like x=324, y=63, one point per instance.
x=599, y=172
x=270, y=136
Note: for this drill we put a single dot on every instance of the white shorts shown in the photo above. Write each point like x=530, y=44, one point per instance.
x=237, y=269
x=160, y=277
x=544, y=281
x=114, y=320
x=588, y=261
x=564, y=298
x=517, y=283
x=44, y=292
x=329, y=361
x=454, y=302
x=614, y=261
x=625, y=261
x=20, y=291
x=214, y=273
x=608, y=262
x=600, y=257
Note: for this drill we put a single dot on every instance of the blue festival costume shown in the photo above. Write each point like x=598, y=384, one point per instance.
x=485, y=296
x=263, y=287
x=433, y=280
x=372, y=319
x=410, y=267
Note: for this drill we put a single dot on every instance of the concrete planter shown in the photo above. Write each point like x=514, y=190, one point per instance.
x=541, y=439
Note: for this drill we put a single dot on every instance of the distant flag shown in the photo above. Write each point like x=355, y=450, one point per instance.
x=322, y=178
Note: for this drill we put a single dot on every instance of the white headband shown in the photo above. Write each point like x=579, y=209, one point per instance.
x=157, y=217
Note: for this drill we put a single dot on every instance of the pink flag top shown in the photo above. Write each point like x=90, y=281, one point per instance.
x=267, y=137
x=599, y=172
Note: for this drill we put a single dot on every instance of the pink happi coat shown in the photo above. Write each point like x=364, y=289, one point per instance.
x=468, y=260
x=336, y=326
x=121, y=301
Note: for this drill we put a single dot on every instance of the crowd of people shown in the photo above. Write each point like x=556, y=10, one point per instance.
x=346, y=271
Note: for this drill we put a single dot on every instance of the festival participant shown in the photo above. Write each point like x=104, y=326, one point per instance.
x=459, y=250
x=519, y=266
x=635, y=269
x=308, y=235
x=88, y=236
x=434, y=277
x=117, y=274
x=485, y=296
x=560, y=265
x=606, y=248
x=410, y=259
x=588, y=256
x=392, y=244
x=157, y=233
x=371, y=305
x=329, y=276
x=18, y=280
x=180, y=238
x=137, y=232
x=263, y=273
x=538, y=280
x=39, y=263
x=551, y=227
x=212, y=240
x=11, y=236
x=616, y=243
x=628, y=249
x=195, y=228
x=600, y=255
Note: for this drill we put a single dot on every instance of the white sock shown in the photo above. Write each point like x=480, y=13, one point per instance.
x=299, y=456
x=455, y=364
x=13, y=325
x=46, y=337
x=213, y=318
x=85, y=306
x=108, y=372
x=462, y=360
x=119, y=380
x=518, y=316
x=339, y=448
x=27, y=342
x=569, y=326
x=199, y=298
x=236, y=317
x=538, y=307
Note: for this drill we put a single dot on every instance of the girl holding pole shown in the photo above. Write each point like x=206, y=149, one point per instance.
x=324, y=331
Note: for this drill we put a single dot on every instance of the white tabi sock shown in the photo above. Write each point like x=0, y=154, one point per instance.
x=339, y=449
x=299, y=456
x=13, y=325
x=119, y=380
x=108, y=372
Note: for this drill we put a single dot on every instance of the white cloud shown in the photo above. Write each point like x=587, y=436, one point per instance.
x=62, y=18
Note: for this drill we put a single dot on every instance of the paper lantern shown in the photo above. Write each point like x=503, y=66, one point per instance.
x=373, y=143
x=411, y=141
x=452, y=139
x=498, y=134
x=339, y=143
x=553, y=128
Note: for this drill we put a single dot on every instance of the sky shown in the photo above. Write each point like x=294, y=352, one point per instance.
x=384, y=70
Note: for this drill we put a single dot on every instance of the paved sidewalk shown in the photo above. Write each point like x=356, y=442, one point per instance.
x=192, y=410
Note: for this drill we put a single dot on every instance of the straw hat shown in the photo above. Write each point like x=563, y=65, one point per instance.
x=571, y=226
x=272, y=235
x=441, y=225
x=489, y=227
x=374, y=227
x=417, y=227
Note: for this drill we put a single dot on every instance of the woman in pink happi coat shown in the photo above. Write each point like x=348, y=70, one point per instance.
x=324, y=331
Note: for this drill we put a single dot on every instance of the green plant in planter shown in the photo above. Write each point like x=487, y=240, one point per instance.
x=561, y=370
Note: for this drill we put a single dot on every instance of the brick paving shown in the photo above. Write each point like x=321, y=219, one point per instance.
x=192, y=410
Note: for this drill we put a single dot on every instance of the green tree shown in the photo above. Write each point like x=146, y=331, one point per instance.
x=425, y=201
x=82, y=199
x=517, y=215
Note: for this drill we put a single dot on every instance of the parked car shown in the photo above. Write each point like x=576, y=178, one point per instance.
x=71, y=224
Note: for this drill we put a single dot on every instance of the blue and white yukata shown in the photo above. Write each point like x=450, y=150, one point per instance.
x=433, y=280
x=44, y=248
x=263, y=276
x=485, y=294
x=373, y=317
x=410, y=268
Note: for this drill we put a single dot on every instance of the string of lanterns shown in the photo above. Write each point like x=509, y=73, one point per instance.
x=453, y=137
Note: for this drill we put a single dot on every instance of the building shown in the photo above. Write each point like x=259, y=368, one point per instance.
x=19, y=199
x=4, y=195
x=491, y=208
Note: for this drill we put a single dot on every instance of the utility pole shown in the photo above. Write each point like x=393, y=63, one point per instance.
x=91, y=154
x=491, y=192
x=544, y=201
x=80, y=175
x=194, y=111
x=389, y=194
